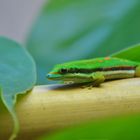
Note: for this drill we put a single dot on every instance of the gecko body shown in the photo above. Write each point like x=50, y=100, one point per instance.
x=95, y=70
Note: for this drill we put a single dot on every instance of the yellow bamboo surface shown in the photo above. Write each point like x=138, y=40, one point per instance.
x=48, y=108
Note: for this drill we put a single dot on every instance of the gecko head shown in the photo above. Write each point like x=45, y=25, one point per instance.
x=59, y=72
x=65, y=72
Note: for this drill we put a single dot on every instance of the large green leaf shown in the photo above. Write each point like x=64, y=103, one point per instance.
x=17, y=75
x=132, y=53
x=76, y=29
x=122, y=128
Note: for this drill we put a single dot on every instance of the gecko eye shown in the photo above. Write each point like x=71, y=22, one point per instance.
x=63, y=71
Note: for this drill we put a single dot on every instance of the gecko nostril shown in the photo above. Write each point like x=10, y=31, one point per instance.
x=48, y=75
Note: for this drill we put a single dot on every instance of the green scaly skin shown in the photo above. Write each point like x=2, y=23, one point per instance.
x=95, y=70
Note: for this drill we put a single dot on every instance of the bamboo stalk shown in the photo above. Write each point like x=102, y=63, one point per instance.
x=47, y=108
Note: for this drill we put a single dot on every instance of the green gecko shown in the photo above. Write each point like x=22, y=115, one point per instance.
x=95, y=71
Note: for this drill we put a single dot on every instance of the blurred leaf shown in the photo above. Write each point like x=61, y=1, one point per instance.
x=132, y=53
x=122, y=128
x=77, y=29
x=17, y=75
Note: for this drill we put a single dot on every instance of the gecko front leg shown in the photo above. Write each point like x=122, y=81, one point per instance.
x=98, y=78
x=137, y=71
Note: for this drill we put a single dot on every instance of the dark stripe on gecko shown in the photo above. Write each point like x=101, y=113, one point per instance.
x=77, y=70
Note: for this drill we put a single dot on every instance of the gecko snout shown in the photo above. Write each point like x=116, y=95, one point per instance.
x=52, y=76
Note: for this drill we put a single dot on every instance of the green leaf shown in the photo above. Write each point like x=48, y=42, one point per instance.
x=17, y=75
x=121, y=128
x=77, y=29
x=132, y=53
